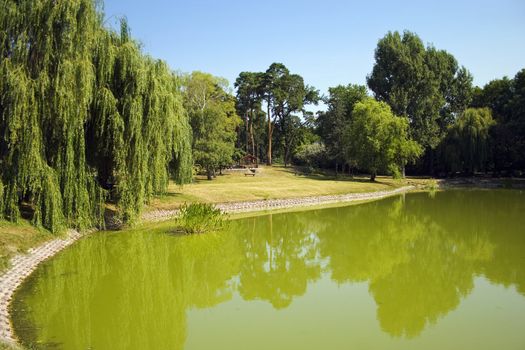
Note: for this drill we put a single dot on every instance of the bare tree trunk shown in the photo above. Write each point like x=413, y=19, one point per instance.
x=208, y=173
x=246, y=131
x=373, y=176
x=431, y=162
x=251, y=135
x=269, y=155
x=286, y=147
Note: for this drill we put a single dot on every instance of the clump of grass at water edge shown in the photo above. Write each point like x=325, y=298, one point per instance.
x=200, y=218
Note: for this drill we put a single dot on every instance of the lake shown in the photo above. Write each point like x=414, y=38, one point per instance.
x=417, y=271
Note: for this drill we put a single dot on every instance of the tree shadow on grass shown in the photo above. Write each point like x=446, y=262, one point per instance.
x=330, y=176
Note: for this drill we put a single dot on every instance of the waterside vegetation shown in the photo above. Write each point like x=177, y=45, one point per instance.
x=199, y=218
x=85, y=117
x=91, y=125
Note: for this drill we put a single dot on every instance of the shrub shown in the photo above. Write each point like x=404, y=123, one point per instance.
x=311, y=155
x=200, y=218
x=432, y=185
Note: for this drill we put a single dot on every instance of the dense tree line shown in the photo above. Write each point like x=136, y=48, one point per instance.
x=505, y=98
x=213, y=119
x=443, y=125
x=284, y=95
x=85, y=117
x=423, y=86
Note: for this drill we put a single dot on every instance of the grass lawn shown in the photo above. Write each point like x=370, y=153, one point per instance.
x=269, y=183
x=18, y=237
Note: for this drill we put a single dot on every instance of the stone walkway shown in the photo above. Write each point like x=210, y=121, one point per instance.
x=21, y=267
x=273, y=204
x=24, y=264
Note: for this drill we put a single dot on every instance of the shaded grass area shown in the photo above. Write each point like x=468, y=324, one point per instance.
x=270, y=183
x=17, y=238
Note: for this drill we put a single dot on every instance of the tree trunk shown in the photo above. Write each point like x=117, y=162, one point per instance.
x=246, y=131
x=431, y=162
x=251, y=135
x=269, y=156
x=403, y=171
x=286, y=150
x=373, y=176
x=208, y=173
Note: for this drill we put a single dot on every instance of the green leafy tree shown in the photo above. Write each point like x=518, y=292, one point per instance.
x=423, y=84
x=467, y=146
x=84, y=115
x=213, y=119
x=138, y=134
x=495, y=95
x=285, y=94
x=506, y=99
x=332, y=123
x=378, y=140
x=311, y=154
x=249, y=87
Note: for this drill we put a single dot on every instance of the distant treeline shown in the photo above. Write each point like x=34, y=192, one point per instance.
x=89, y=123
x=457, y=128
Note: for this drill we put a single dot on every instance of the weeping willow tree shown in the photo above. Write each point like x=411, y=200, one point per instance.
x=466, y=147
x=85, y=117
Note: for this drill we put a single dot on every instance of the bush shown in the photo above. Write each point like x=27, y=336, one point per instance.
x=200, y=218
x=432, y=185
x=311, y=155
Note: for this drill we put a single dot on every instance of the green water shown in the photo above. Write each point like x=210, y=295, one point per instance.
x=408, y=272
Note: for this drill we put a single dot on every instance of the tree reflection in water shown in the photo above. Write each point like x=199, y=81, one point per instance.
x=418, y=255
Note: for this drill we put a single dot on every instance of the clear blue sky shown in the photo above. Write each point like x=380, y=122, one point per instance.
x=328, y=42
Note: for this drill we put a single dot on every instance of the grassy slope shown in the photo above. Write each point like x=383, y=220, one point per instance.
x=269, y=183
x=18, y=237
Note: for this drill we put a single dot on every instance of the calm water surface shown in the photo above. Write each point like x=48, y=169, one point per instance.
x=408, y=272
